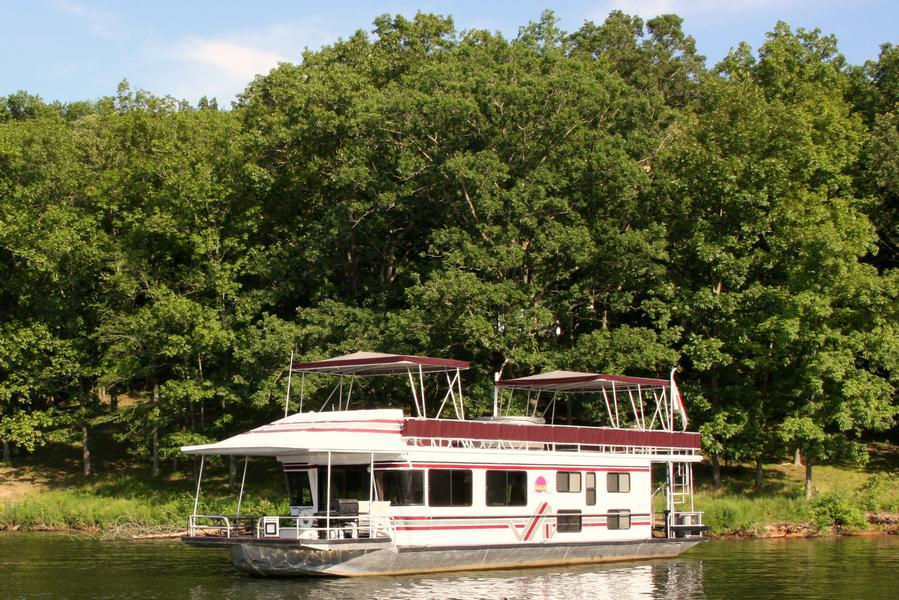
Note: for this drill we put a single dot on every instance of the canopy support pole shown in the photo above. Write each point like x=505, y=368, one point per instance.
x=421, y=383
x=302, y=389
x=328, y=500
x=414, y=394
x=289, y=373
x=349, y=394
x=371, y=492
x=461, y=398
x=243, y=479
x=615, y=399
x=199, y=480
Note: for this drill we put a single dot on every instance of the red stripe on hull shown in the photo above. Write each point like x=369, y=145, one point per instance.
x=510, y=467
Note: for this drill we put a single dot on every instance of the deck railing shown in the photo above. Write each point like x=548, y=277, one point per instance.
x=681, y=524
x=302, y=527
x=499, y=444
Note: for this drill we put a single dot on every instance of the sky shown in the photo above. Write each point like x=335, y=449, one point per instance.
x=70, y=50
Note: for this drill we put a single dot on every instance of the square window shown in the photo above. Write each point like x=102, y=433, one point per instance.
x=449, y=487
x=619, y=519
x=507, y=488
x=568, y=481
x=618, y=482
x=568, y=521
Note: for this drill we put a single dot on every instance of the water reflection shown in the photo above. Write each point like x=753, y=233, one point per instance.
x=51, y=566
x=624, y=581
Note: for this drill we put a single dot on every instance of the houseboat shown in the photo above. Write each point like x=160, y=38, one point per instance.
x=375, y=492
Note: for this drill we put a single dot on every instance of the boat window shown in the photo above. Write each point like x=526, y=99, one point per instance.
x=591, y=489
x=568, y=481
x=619, y=519
x=349, y=482
x=298, y=489
x=507, y=488
x=618, y=482
x=401, y=487
x=449, y=487
x=568, y=521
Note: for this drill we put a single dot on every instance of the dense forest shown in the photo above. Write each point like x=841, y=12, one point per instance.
x=600, y=200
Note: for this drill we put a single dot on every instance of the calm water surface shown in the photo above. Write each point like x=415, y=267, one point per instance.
x=56, y=566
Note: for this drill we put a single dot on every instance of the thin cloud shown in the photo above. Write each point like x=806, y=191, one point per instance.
x=102, y=24
x=223, y=65
x=230, y=59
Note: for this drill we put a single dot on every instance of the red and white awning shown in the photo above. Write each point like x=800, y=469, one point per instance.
x=376, y=363
x=575, y=381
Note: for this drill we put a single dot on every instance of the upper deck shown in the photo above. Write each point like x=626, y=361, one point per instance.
x=388, y=431
x=640, y=414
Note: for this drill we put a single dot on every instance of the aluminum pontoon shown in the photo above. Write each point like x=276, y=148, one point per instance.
x=376, y=492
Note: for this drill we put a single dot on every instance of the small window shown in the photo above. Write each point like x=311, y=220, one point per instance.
x=568, y=481
x=401, y=487
x=507, y=488
x=618, y=482
x=449, y=487
x=619, y=519
x=591, y=489
x=568, y=521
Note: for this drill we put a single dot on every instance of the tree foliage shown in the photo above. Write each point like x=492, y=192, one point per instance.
x=595, y=200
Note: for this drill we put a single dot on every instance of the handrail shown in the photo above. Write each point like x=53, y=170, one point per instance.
x=359, y=526
x=502, y=444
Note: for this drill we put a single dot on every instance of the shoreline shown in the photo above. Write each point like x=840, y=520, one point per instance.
x=880, y=524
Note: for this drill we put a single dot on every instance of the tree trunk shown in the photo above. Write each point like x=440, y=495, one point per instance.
x=7, y=452
x=232, y=473
x=155, y=434
x=808, y=478
x=797, y=458
x=85, y=451
x=114, y=401
x=716, y=471
x=758, y=474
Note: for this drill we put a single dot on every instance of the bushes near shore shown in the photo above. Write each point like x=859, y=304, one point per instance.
x=839, y=510
x=129, y=504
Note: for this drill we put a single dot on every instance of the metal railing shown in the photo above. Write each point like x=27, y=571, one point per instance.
x=302, y=527
x=498, y=444
x=679, y=524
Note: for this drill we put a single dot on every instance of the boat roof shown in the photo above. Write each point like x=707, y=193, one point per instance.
x=576, y=381
x=377, y=363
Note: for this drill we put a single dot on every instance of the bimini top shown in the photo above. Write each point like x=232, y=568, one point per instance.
x=376, y=363
x=574, y=381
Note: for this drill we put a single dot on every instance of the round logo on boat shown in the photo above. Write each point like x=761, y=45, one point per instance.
x=540, y=484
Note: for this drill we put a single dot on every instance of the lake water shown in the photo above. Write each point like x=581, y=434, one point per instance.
x=56, y=566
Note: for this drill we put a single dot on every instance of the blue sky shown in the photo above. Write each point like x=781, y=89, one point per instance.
x=79, y=49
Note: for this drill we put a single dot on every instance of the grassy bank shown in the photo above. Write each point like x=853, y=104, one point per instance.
x=124, y=501
x=847, y=498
